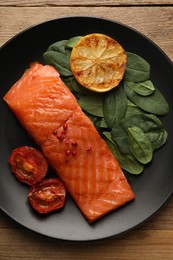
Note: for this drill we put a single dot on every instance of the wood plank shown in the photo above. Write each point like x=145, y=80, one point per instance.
x=148, y=20
x=84, y=2
x=137, y=245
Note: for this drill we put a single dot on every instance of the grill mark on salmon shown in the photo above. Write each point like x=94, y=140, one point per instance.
x=49, y=112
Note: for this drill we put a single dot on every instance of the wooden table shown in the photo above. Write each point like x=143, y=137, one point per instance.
x=154, y=239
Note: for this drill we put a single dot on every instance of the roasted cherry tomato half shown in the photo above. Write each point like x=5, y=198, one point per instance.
x=28, y=164
x=47, y=195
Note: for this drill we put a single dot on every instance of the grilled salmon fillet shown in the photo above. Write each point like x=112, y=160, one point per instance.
x=49, y=112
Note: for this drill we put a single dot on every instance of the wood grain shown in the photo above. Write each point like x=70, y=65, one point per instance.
x=83, y=3
x=154, y=22
x=137, y=245
x=154, y=239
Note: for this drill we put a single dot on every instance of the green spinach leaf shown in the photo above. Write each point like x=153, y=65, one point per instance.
x=150, y=124
x=99, y=122
x=59, y=60
x=144, y=88
x=132, y=109
x=93, y=104
x=58, y=46
x=140, y=146
x=114, y=106
x=126, y=161
x=72, y=41
x=154, y=103
x=137, y=69
x=158, y=137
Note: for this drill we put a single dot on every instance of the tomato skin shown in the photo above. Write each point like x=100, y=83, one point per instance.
x=47, y=195
x=28, y=164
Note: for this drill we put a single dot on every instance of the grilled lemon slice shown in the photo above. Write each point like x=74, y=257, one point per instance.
x=98, y=62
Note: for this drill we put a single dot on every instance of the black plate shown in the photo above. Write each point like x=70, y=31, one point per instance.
x=152, y=188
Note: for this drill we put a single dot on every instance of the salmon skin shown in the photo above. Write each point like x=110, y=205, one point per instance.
x=49, y=112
